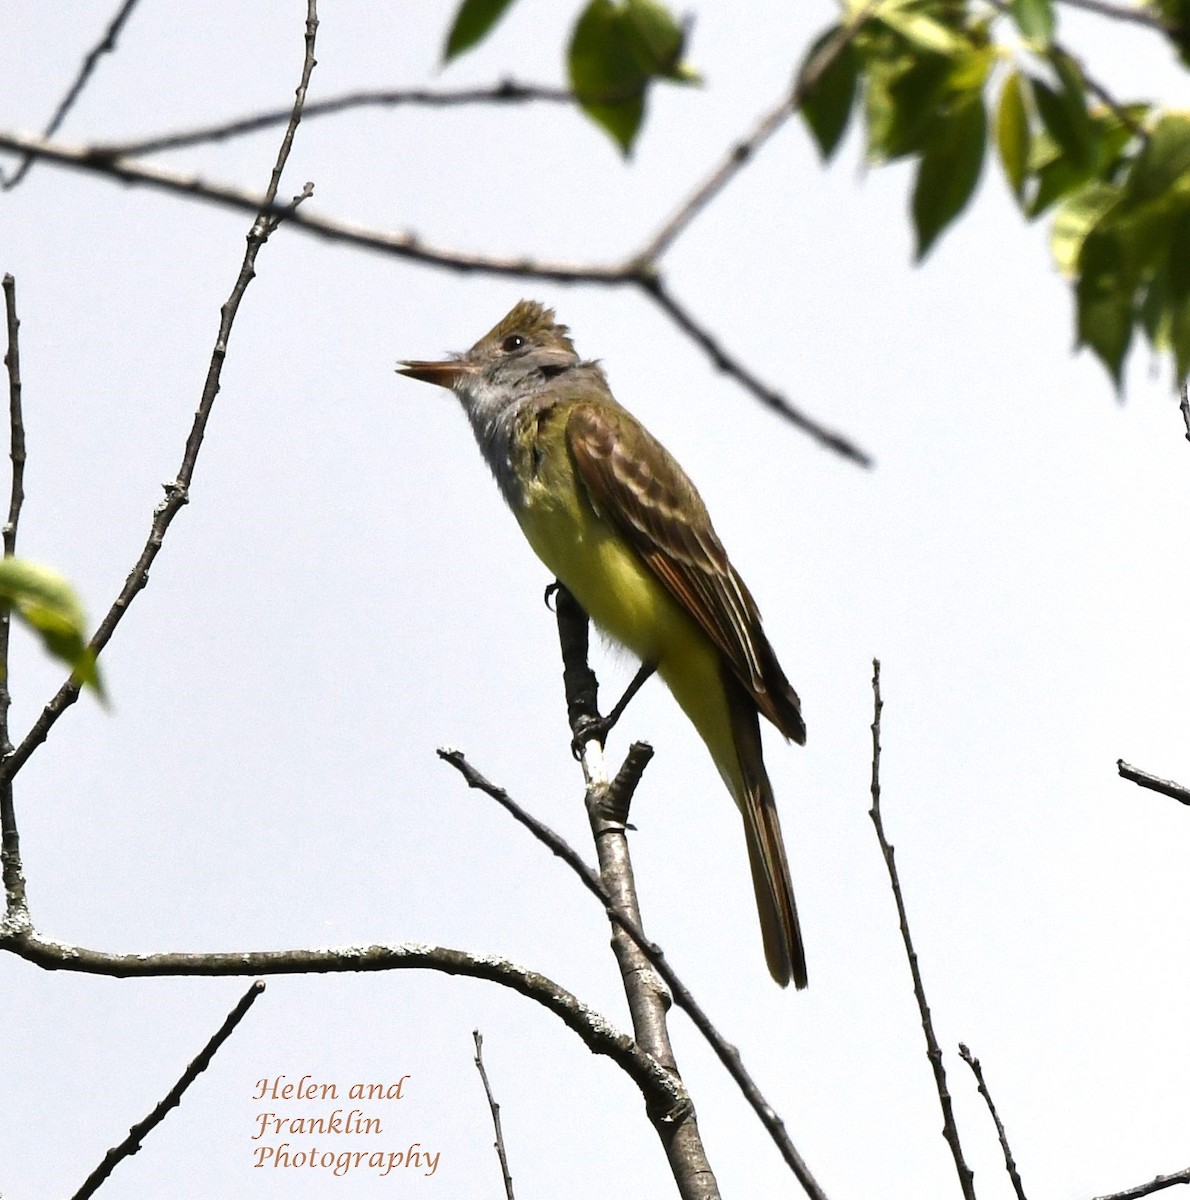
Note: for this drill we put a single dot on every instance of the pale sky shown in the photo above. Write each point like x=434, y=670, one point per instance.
x=346, y=593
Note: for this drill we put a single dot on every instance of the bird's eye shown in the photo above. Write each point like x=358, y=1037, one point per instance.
x=514, y=341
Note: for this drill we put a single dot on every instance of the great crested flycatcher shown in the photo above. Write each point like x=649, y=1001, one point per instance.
x=611, y=513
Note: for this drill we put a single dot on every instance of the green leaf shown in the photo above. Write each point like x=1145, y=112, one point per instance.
x=1056, y=175
x=1105, y=295
x=1075, y=219
x=1154, y=312
x=949, y=170
x=1112, y=136
x=913, y=99
x=472, y=23
x=1012, y=132
x=1177, y=16
x=1065, y=117
x=1178, y=291
x=47, y=604
x=617, y=49
x=922, y=30
x=1164, y=162
x=659, y=41
x=604, y=73
x=1035, y=19
x=826, y=106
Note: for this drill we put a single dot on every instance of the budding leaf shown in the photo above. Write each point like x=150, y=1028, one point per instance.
x=44, y=601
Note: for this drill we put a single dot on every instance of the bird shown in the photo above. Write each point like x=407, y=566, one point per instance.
x=615, y=518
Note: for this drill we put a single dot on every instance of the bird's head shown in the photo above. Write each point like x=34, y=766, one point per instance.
x=511, y=362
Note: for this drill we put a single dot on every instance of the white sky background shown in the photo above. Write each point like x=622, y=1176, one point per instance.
x=345, y=593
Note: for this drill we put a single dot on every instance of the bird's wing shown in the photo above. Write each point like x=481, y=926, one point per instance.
x=636, y=483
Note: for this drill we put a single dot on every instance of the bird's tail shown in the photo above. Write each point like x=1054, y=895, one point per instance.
x=783, y=950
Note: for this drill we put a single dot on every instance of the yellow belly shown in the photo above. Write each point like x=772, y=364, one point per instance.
x=626, y=601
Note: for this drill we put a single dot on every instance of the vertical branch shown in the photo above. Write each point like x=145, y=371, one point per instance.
x=607, y=806
x=647, y=996
x=724, y=1051
x=950, y=1130
x=16, y=906
x=16, y=423
x=487, y=1087
x=16, y=435
x=648, y=999
x=1001, y=1133
x=177, y=492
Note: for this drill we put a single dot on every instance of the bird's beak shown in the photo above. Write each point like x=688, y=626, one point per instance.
x=444, y=374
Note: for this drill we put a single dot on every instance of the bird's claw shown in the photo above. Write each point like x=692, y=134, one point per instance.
x=589, y=729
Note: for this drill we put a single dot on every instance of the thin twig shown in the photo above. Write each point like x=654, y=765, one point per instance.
x=137, y=1134
x=1185, y=407
x=177, y=492
x=744, y=149
x=402, y=245
x=16, y=915
x=410, y=246
x=726, y=1053
x=506, y=92
x=659, y=1086
x=624, y=785
x=1155, y=783
x=1009, y=1161
x=832, y=440
x=105, y=46
x=1120, y=12
x=487, y=1087
x=16, y=445
x=1147, y=1189
x=16, y=428
x=933, y=1050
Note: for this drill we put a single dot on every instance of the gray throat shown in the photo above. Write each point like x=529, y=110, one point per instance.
x=494, y=418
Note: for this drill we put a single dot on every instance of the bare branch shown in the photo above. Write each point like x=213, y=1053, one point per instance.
x=16, y=430
x=16, y=915
x=726, y=1053
x=648, y=999
x=658, y=1085
x=137, y=1134
x=743, y=151
x=1166, y=787
x=487, y=1087
x=1147, y=1189
x=621, y=789
x=410, y=246
x=16, y=444
x=402, y=245
x=506, y=92
x=1185, y=407
x=1009, y=1161
x=768, y=396
x=105, y=46
x=1121, y=12
x=177, y=492
x=934, y=1052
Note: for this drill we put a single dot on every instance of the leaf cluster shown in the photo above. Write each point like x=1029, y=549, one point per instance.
x=617, y=50
x=927, y=74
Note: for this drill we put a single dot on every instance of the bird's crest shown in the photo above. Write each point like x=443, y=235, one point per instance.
x=535, y=322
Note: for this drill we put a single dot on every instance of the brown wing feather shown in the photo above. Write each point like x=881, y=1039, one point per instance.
x=635, y=482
